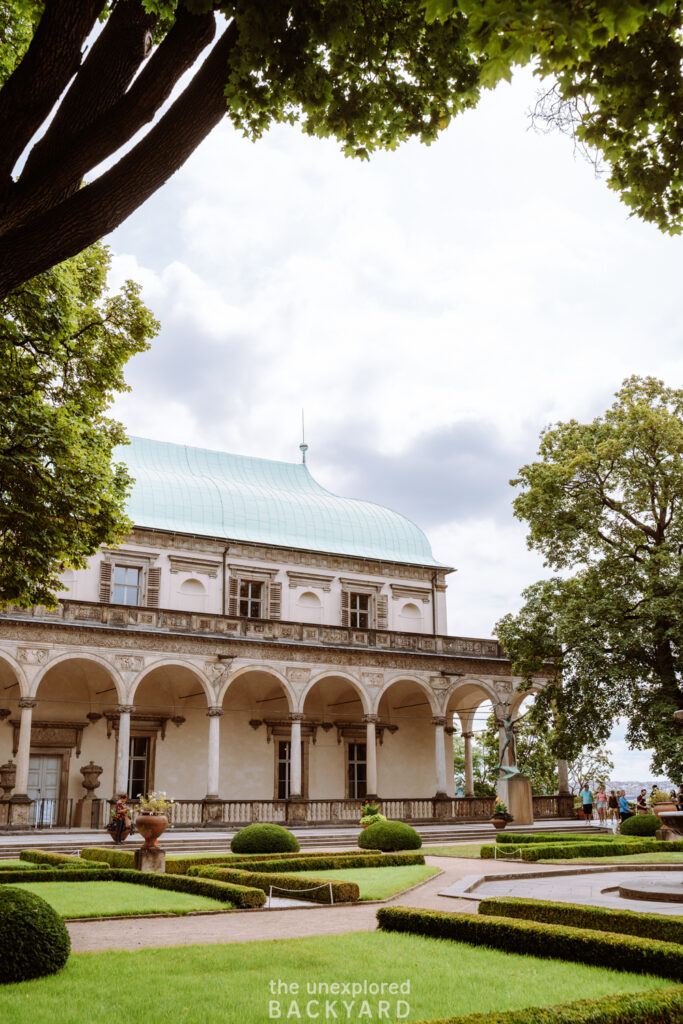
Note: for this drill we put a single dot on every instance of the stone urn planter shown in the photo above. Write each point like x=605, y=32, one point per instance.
x=663, y=805
x=498, y=821
x=150, y=827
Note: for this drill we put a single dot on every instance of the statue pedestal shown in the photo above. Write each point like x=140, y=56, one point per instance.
x=519, y=801
x=153, y=861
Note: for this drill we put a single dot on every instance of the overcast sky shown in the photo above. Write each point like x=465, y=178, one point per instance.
x=432, y=310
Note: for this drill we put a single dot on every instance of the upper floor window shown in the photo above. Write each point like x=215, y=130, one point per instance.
x=127, y=585
x=251, y=599
x=359, y=611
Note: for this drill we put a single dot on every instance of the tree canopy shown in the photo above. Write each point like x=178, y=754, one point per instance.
x=604, y=505
x=371, y=75
x=64, y=342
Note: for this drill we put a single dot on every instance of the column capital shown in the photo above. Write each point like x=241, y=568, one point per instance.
x=297, y=716
x=26, y=703
x=438, y=719
x=371, y=719
x=467, y=735
x=215, y=712
x=125, y=709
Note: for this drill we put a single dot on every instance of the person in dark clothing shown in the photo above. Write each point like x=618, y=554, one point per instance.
x=120, y=821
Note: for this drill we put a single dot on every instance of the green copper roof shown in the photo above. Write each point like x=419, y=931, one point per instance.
x=214, y=494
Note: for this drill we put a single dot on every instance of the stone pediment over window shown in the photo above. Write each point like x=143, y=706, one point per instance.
x=197, y=566
x=150, y=723
x=51, y=734
x=309, y=580
x=357, y=733
x=400, y=592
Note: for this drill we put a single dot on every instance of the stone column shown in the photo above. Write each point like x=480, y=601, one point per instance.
x=123, y=750
x=469, y=768
x=214, y=714
x=20, y=800
x=439, y=722
x=371, y=756
x=295, y=758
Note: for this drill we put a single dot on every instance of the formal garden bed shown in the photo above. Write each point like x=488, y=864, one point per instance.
x=447, y=980
x=591, y=849
x=117, y=899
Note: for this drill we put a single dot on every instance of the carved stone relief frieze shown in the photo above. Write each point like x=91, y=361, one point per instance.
x=33, y=655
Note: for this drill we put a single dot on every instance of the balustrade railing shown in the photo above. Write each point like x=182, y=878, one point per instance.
x=170, y=621
x=237, y=813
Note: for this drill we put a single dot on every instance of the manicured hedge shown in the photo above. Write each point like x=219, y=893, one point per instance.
x=27, y=867
x=626, y=922
x=115, y=858
x=57, y=860
x=264, y=838
x=389, y=836
x=663, y=1006
x=554, y=941
x=33, y=938
x=93, y=874
x=526, y=838
x=323, y=862
x=556, y=851
x=641, y=825
x=226, y=892
x=342, y=892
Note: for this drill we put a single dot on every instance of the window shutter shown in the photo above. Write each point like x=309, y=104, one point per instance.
x=382, y=612
x=346, y=607
x=233, y=591
x=275, y=600
x=153, y=587
x=105, y=582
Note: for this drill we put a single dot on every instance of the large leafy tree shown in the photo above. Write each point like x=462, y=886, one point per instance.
x=612, y=72
x=64, y=341
x=604, y=505
x=369, y=74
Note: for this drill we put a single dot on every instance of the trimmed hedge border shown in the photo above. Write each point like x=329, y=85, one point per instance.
x=55, y=875
x=226, y=892
x=527, y=838
x=63, y=860
x=114, y=858
x=324, y=863
x=556, y=851
x=549, y=941
x=624, y=922
x=663, y=1006
x=342, y=892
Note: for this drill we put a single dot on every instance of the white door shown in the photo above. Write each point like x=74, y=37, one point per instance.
x=43, y=788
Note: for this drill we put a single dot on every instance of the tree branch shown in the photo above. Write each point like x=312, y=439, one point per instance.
x=32, y=90
x=102, y=206
x=179, y=50
x=104, y=76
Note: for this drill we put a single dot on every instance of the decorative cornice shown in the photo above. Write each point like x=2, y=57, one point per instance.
x=400, y=591
x=314, y=581
x=199, y=566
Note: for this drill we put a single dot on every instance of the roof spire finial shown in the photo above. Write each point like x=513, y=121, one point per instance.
x=303, y=447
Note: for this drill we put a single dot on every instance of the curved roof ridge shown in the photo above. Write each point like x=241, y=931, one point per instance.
x=204, y=491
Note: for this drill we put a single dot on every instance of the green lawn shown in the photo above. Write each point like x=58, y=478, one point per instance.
x=22, y=864
x=463, y=850
x=378, y=883
x=104, y=899
x=227, y=983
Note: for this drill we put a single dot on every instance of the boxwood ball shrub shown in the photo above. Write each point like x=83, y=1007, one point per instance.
x=264, y=839
x=33, y=938
x=389, y=835
x=641, y=825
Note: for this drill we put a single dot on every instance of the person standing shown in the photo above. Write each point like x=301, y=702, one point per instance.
x=613, y=805
x=641, y=802
x=624, y=809
x=586, y=797
x=121, y=821
x=601, y=803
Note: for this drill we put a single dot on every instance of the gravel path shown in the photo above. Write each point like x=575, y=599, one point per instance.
x=247, y=926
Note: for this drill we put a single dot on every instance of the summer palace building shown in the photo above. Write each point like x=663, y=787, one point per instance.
x=258, y=648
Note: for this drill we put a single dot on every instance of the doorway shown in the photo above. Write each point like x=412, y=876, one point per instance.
x=44, y=771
